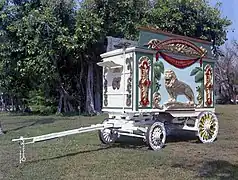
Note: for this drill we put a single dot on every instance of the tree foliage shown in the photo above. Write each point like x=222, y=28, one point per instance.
x=194, y=18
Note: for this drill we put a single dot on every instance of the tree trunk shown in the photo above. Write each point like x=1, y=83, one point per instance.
x=89, y=97
x=97, y=94
x=60, y=103
x=64, y=102
x=80, y=87
x=12, y=102
x=3, y=103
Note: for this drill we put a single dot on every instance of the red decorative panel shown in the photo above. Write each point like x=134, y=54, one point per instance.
x=144, y=82
x=177, y=46
x=208, y=85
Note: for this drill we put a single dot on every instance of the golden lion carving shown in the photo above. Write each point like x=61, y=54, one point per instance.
x=175, y=87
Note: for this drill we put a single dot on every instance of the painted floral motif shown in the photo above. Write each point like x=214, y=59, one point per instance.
x=158, y=71
x=197, y=72
x=144, y=83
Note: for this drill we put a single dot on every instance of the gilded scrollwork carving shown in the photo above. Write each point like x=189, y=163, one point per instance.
x=156, y=100
x=177, y=47
x=208, y=84
x=144, y=83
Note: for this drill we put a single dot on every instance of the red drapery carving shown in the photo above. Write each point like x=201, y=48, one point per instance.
x=178, y=63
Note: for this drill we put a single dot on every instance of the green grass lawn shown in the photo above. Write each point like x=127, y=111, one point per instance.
x=83, y=156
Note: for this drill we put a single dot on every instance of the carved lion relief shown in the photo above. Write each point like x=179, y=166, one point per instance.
x=176, y=87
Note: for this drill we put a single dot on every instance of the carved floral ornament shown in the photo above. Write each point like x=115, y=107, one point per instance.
x=129, y=82
x=208, y=83
x=105, y=83
x=177, y=45
x=144, y=83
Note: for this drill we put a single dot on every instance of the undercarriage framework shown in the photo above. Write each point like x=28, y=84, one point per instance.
x=152, y=128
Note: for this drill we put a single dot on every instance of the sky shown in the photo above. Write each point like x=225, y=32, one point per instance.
x=228, y=9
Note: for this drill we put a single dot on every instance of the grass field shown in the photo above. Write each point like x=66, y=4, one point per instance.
x=82, y=156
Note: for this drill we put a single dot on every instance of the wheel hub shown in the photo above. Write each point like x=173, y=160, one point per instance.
x=207, y=125
x=107, y=131
x=157, y=134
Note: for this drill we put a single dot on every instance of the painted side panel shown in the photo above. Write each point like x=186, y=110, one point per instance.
x=182, y=75
x=118, y=88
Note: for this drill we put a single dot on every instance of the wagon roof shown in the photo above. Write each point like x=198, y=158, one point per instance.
x=166, y=33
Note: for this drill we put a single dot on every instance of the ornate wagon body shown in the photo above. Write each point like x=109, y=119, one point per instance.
x=165, y=80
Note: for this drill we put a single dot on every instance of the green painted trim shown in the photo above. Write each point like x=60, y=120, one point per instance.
x=202, y=85
x=213, y=90
x=152, y=80
x=132, y=89
x=137, y=80
x=117, y=107
x=145, y=107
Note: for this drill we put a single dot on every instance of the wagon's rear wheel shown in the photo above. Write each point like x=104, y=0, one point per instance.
x=156, y=136
x=107, y=135
x=207, y=127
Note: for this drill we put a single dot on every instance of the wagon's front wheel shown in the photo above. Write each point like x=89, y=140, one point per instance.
x=207, y=127
x=107, y=135
x=156, y=136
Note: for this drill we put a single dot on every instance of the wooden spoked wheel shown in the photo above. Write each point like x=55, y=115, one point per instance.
x=156, y=136
x=207, y=127
x=107, y=135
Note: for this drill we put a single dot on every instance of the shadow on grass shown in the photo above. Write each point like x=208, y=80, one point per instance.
x=216, y=169
x=179, y=135
x=123, y=142
x=219, y=169
x=38, y=122
x=72, y=154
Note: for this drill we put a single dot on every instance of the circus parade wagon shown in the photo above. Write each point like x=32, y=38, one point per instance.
x=165, y=79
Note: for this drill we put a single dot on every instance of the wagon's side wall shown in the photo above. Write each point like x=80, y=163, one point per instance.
x=194, y=80
x=117, y=86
